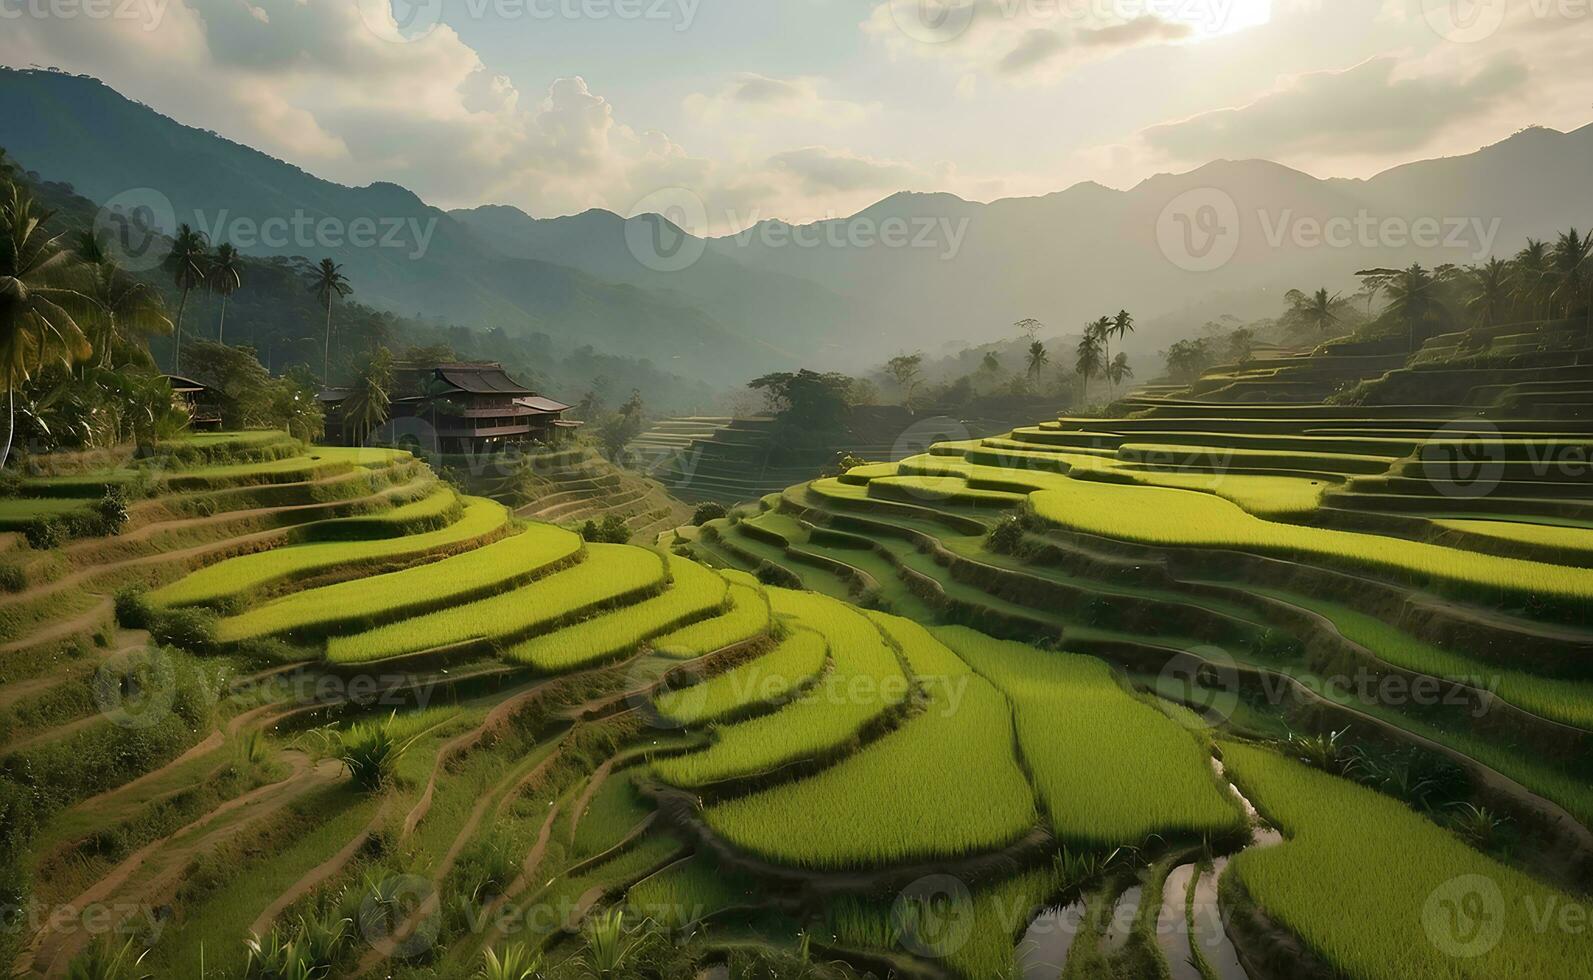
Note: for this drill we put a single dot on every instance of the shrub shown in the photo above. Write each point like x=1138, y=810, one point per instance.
x=370, y=751
x=133, y=610
x=112, y=510
x=44, y=533
x=611, y=531
x=191, y=629
x=108, y=960
x=707, y=511
x=13, y=577
x=516, y=963
x=1006, y=537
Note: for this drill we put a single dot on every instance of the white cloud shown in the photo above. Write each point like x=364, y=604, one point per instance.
x=750, y=95
x=1020, y=41
x=312, y=82
x=1373, y=107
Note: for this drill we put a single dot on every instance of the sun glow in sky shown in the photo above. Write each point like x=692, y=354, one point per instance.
x=1215, y=18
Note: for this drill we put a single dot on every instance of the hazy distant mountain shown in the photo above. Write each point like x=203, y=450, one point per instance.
x=914, y=271
x=795, y=315
x=77, y=130
x=1070, y=256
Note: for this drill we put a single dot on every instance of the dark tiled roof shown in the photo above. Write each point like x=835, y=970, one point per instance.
x=180, y=383
x=540, y=404
x=482, y=379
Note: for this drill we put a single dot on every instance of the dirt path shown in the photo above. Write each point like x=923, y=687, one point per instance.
x=313, y=878
x=529, y=867
x=594, y=784
x=49, y=953
x=511, y=782
x=16, y=691
x=83, y=622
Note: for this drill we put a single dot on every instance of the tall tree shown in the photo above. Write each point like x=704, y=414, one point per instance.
x=1087, y=359
x=1316, y=310
x=1037, y=360
x=1029, y=327
x=1415, y=301
x=127, y=311
x=1571, y=257
x=1534, y=277
x=1491, y=287
x=327, y=282
x=1119, y=369
x=226, y=278
x=906, y=370
x=1241, y=344
x=370, y=400
x=186, y=265
x=1122, y=325
x=39, y=304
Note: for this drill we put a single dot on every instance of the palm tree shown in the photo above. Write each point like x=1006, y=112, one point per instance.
x=370, y=401
x=1087, y=359
x=1038, y=359
x=1533, y=277
x=1316, y=310
x=436, y=396
x=1569, y=261
x=1119, y=369
x=1491, y=288
x=128, y=311
x=226, y=278
x=39, y=306
x=327, y=282
x=1414, y=300
x=186, y=264
x=1121, y=326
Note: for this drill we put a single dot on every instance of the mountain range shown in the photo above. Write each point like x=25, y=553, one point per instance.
x=913, y=271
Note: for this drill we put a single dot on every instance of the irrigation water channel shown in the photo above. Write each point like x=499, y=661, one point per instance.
x=1043, y=952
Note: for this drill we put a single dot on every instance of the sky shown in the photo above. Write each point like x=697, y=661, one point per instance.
x=806, y=109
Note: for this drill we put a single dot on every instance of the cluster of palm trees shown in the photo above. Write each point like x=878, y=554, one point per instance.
x=191, y=264
x=1544, y=281
x=70, y=315
x=75, y=326
x=1093, y=356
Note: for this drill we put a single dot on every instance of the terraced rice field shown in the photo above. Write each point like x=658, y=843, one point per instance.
x=321, y=699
